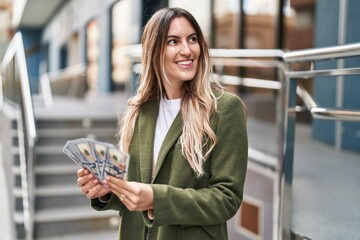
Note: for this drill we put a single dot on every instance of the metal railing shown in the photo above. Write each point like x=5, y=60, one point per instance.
x=289, y=91
x=254, y=58
x=286, y=85
x=15, y=81
x=70, y=82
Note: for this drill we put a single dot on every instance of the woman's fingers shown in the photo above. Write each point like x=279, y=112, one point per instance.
x=89, y=185
x=119, y=187
x=94, y=189
x=82, y=172
x=135, y=196
x=84, y=177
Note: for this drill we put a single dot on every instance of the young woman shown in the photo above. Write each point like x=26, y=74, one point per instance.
x=186, y=138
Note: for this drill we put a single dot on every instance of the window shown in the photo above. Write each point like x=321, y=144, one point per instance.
x=92, y=53
x=125, y=19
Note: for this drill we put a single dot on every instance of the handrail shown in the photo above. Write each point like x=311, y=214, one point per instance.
x=326, y=113
x=62, y=82
x=326, y=53
x=15, y=51
x=248, y=82
x=333, y=52
x=247, y=53
x=324, y=73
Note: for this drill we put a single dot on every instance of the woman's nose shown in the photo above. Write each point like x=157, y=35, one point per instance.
x=185, y=49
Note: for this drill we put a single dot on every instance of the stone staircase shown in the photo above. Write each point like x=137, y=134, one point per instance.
x=13, y=159
x=60, y=210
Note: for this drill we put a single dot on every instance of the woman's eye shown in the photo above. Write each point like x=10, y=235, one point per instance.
x=193, y=39
x=172, y=42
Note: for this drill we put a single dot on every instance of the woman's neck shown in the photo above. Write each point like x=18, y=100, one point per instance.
x=174, y=90
x=172, y=93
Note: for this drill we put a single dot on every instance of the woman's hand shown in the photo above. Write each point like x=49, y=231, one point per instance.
x=135, y=196
x=89, y=185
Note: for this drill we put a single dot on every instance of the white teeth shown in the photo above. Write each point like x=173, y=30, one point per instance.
x=184, y=62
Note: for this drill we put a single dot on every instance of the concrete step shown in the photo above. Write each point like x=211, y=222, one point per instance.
x=73, y=229
x=16, y=170
x=59, y=190
x=14, y=150
x=77, y=132
x=60, y=202
x=42, y=180
x=83, y=122
x=52, y=156
x=68, y=167
x=75, y=220
x=61, y=141
x=50, y=150
x=86, y=235
x=71, y=214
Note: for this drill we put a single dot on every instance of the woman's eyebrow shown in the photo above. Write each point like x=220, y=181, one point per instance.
x=175, y=36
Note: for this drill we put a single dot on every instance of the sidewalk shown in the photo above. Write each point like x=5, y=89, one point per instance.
x=326, y=183
x=326, y=190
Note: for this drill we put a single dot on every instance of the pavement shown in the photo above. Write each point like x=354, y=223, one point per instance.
x=326, y=183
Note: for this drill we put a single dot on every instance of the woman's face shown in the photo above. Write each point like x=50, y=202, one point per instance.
x=182, y=52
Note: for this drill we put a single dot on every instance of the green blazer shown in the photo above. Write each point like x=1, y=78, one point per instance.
x=186, y=206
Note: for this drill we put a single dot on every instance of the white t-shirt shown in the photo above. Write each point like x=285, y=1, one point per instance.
x=168, y=110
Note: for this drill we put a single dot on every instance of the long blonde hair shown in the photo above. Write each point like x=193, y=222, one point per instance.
x=198, y=103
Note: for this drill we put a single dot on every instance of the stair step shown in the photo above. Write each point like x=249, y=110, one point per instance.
x=76, y=132
x=54, y=179
x=61, y=201
x=81, y=122
x=60, y=190
x=46, y=230
x=13, y=133
x=57, y=169
x=89, y=235
x=14, y=150
x=49, y=149
x=71, y=214
x=17, y=192
x=60, y=142
x=16, y=170
x=52, y=159
x=18, y=217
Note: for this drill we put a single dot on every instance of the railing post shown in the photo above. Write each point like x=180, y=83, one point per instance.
x=286, y=153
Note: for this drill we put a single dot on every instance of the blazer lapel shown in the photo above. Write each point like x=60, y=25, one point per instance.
x=170, y=139
x=147, y=124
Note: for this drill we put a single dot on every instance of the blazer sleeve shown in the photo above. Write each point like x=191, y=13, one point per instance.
x=227, y=169
x=114, y=204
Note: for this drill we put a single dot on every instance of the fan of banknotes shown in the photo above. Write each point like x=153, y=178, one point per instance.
x=100, y=158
